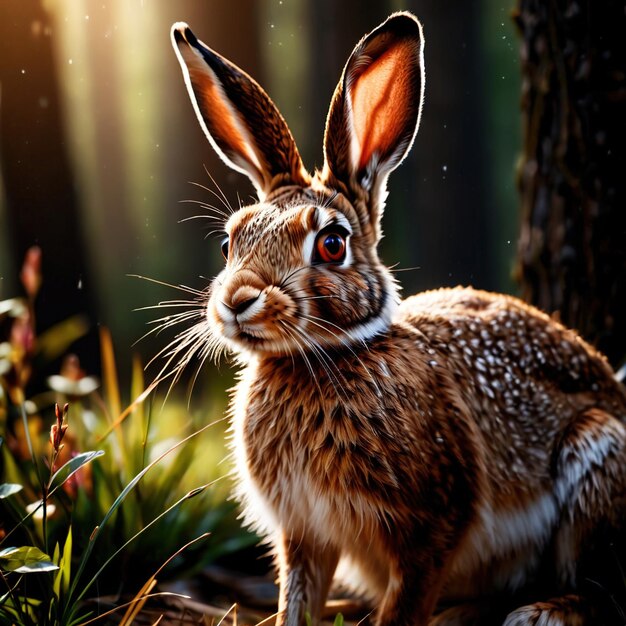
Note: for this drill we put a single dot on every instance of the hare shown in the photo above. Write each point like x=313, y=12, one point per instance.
x=449, y=446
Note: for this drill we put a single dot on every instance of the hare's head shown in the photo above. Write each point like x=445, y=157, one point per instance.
x=302, y=271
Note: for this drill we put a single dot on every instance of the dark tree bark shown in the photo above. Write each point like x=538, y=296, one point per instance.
x=572, y=249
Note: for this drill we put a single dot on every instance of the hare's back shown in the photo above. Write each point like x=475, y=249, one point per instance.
x=550, y=419
x=466, y=303
x=511, y=357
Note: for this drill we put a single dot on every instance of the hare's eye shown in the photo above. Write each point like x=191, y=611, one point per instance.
x=225, y=249
x=330, y=247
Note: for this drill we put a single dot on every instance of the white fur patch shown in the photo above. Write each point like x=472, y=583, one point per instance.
x=515, y=535
x=257, y=512
x=225, y=314
x=591, y=449
x=307, y=247
x=382, y=321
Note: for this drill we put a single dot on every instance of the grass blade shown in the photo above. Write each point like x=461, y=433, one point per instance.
x=116, y=504
x=68, y=469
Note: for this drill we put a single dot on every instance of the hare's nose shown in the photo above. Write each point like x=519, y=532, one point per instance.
x=242, y=299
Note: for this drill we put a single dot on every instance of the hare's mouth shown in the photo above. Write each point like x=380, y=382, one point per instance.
x=250, y=338
x=246, y=342
x=255, y=338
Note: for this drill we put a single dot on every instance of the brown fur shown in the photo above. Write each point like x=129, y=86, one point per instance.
x=457, y=444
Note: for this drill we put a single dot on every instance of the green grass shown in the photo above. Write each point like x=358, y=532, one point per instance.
x=119, y=489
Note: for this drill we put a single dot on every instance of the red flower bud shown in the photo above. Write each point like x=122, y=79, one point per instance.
x=57, y=432
x=31, y=271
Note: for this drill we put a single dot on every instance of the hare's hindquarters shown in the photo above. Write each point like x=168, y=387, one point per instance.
x=590, y=490
x=590, y=487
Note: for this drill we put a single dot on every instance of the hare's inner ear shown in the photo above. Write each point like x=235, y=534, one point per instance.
x=240, y=120
x=376, y=108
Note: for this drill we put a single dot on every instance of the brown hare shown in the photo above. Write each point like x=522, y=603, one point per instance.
x=449, y=446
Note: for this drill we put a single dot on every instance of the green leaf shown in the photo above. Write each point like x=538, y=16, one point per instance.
x=69, y=613
x=71, y=467
x=66, y=562
x=26, y=560
x=56, y=340
x=56, y=558
x=80, y=619
x=338, y=620
x=8, y=614
x=8, y=489
x=62, y=577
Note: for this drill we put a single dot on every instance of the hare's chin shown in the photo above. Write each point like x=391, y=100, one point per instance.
x=244, y=343
x=238, y=339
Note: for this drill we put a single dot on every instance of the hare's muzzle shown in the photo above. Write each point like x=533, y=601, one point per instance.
x=241, y=301
x=251, y=313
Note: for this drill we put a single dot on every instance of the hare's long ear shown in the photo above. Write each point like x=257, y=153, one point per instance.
x=240, y=120
x=375, y=111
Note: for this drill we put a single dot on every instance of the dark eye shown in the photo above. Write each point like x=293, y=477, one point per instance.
x=225, y=248
x=330, y=246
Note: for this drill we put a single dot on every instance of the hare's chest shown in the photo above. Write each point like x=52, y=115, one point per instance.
x=281, y=481
x=301, y=466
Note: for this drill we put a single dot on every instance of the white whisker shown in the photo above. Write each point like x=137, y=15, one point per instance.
x=324, y=360
x=169, y=304
x=184, y=288
x=318, y=321
x=296, y=339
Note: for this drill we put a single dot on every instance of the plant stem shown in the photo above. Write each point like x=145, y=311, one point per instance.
x=29, y=443
x=16, y=604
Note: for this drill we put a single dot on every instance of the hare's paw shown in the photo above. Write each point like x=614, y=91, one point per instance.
x=569, y=610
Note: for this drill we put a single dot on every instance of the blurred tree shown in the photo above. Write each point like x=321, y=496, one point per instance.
x=334, y=29
x=39, y=185
x=572, y=250
x=107, y=184
x=451, y=222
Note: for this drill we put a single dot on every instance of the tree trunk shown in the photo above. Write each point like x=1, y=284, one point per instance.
x=572, y=249
x=40, y=193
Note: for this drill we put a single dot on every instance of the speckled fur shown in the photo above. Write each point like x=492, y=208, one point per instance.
x=455, y=444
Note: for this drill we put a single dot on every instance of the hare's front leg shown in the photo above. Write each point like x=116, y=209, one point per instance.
x=414, y=588
x=306, y=571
